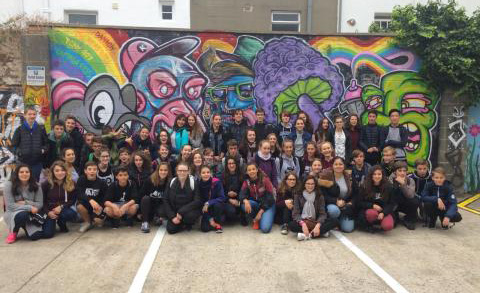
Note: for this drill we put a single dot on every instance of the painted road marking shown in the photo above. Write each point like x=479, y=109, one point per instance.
x=464, y=204
x=144, y=269
x=389, y=280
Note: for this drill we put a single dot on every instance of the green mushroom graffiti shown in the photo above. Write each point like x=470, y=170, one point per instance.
x=416, y=100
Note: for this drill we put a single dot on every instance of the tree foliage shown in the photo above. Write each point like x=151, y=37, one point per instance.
x=448, y=42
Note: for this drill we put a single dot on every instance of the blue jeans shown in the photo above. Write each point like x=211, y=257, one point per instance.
x=266, y=221
x=346, y=223
x=36, y=170
x=66, y=215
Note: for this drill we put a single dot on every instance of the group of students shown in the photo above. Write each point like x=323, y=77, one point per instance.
x=307, y=181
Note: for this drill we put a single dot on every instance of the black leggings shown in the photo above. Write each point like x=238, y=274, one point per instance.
x=217, y=212
x=409, y=207
x=328, y=225
x=188, y=219
x=21, y=219
x=283, y=215
x=151, y=207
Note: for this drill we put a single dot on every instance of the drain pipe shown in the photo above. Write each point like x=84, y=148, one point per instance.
x=309, y=16
x=339, y=16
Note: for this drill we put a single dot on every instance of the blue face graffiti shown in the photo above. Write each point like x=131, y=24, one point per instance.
x=167, y=83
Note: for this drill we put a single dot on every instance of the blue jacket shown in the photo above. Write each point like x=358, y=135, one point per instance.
x=306, y=137
x=211, y=191
x=431, y=193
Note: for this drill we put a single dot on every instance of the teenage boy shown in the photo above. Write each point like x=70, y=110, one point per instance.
x=395, y=135
x=284, y=128
x=262, y=129
x=360, y=168
x=121, y=199
x=91, y=192
x=232, y=151
x=370, y=139
x=97, y=145
x=30, y=142
x=388, y=160
x=237, y=129
x=440, y=201
x=76, y=136
x=86, y=148
x=124, y=157
x=421, y=176
x=404, y=192
x=58, y=140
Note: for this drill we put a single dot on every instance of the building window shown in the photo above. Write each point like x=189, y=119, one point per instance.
x=166, y=9
x=285, y=21
x=81, y=17
x=383, y=20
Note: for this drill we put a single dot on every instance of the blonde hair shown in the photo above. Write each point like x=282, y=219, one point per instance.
x=68, y=183
x=389, y=149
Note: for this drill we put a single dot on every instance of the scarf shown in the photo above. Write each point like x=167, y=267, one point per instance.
x=308, y=211
x=180, y=138
x=263, y=157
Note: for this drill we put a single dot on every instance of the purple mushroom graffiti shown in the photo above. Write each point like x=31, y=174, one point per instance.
x=291, y=76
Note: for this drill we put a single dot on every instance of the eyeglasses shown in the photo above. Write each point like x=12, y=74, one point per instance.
x=219, y=93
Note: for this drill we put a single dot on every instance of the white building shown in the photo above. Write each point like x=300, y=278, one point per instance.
x=355, y=16
x=135, y=13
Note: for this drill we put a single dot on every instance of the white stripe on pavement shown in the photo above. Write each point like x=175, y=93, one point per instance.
x=142, y=273
x=389, y=280
x=1, y=219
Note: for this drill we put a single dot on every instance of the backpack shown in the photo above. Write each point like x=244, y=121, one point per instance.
x=192, y=182
x=295, y=162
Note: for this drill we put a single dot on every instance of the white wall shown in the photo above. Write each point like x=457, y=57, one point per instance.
x=137, y=13
x=363, y=11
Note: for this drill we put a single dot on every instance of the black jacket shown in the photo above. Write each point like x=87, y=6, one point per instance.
x=52, y=153
x=181, y=200
x=236, y=131
x=30, y=144
x=370, y=137
x=385, y=199
x=78, y=141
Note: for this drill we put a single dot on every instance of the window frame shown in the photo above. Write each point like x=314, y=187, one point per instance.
x=382, y=19
x=297, y=22
x=167, y=3
x=68, y=12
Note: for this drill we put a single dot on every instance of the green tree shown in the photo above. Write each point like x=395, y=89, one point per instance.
x=448, y=42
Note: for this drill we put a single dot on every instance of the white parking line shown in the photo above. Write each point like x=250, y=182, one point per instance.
x=389, y=280
x=144, y=269
x=1, y=219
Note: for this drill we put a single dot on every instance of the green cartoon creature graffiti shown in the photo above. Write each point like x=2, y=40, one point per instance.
x=408, y=92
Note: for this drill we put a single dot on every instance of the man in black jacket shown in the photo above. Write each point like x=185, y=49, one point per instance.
x=370, y=139
x=58, y=140
x=236, y=130
x=395, y=135
x=30, y=142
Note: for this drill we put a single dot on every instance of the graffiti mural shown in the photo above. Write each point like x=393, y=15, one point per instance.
x=472, y=171
x=455, y=148
x=133, y=77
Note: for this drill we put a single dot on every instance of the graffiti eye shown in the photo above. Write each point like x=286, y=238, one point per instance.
x=161, y=84
x=193, y=87
x=101, y=109
x=415, y=103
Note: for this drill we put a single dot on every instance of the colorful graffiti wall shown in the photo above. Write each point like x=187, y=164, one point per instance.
x=127, y=78
x=472, y=171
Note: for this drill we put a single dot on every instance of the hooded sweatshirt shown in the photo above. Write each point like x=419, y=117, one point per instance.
x=267, y=165
x=211, y=191
x=420, y=182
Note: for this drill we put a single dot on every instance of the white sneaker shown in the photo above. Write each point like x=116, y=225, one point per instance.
x=84, y=227
x=326, y=234
x=301, y=237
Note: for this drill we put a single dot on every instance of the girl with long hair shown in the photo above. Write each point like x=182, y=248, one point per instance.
x=257, y=198
x=309, y=216
x=323, y=130
x=23, y=199
x=213, y=200
x=310, y=154
x=69, y=157
x=59, y=197
x=275, y=149
x=376, y=202
x=339, y=194
x=232, y=183
x=341, y=140
x=354, y=128
x=140, y=168
x=179, y=136
x=289, y=186
x=153, y=195
x=248, y=147
x=195, y=131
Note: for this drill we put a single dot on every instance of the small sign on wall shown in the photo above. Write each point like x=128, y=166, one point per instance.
x=36, y=75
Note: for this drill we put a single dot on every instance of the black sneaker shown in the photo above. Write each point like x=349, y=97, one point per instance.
x=409, y=225
x=188, y=227
x=243, y=220
x=63, y=227
x=115, y=223
x=432, y=222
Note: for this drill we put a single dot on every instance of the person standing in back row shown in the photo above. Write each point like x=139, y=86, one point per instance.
x=395, y=135
x=30, y=142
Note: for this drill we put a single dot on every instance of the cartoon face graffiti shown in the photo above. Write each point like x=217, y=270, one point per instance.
x=231, y=85
x=416, y=100
x=166, y=82
x=98, y=104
